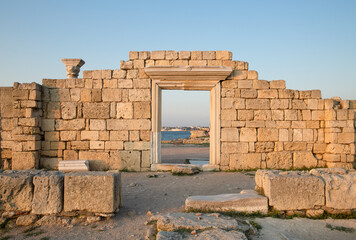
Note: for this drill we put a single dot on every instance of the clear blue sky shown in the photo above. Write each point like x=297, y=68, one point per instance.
x=310, y=44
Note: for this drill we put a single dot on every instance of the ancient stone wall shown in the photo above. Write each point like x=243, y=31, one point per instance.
x=106, y=118
x=6, y=109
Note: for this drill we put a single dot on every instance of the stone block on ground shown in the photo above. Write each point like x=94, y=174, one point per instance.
x=16, y=190
x=292, y=191
x=26, y=220
x=74, y=166
x=245, y=201
x=193, y=221
x=188, y=170
x=48, y=193
x=92, y=191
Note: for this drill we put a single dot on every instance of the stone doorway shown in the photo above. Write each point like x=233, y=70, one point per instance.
x=186, y=78
x=185, y=127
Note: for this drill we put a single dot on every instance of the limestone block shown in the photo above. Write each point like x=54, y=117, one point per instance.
x=48, y=193
x=143, y=55
x=209, y=55
x=280, y=103
x=346, y=138
x=111, y=95
x=245, y=161
x=70, y=155
x=158, y=55
x=68, y=110
x=241, y=75
x=74, y=124
x=132, y=73
x=294, y=192
x=264, y=147
x=96, y=110
x=229, y=147
x=133, y=55
x=279, y=84
x=304, y=159
x=291, y=115
x=85, y=95
x=223, y=55
x=59, y=95
x=142, y=110
x=119, y=135
x=79, y=145
x=96, y=145
x=229, y=135
x=279, y=160
x=139, y=95
x=125, y=65
x=75, y=94
x=244, y=115
x=197, y=62
x=114, y=145
x=248, y=93
x=267, y=93
x=119, y=74
x=171, y=55
x=128, y=124
x=260, y=84
x=163, y=62
x=92, y=192
x=137, y=145
x=249, y=202
x=262, y=115
x=196, y=55
x=129, y=160
x=180, y=63
x=124, y=110
x=248, y=135
x=97, y=159
x=267, y=135
x=146, y=159
x=141, y=83
x=125, y=83
x=184, y=55
x=257, y=104
x=89, y=135
x=228, y=114
x=25, y=160
x=16, y=190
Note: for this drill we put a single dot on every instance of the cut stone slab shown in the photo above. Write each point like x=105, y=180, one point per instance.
x=193, y=221
x=293, y=191
x=48, y=193
x=26, y=220
x=74, y=166
x=167, y=167
x=246, y=201
x=188, y=170
x=92, y=191
x=340, y=191
x=16, y=190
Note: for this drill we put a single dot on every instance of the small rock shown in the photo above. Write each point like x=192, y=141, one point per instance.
x=134, y=185
x=26, y=220
x=221, y=234
x=66, y=221
x=2, y=221
x=105, y=215
x=92, y=219
x=315, y=213
x=187, y=170
x=8, y=214
x=48, y=220
x=149, y=213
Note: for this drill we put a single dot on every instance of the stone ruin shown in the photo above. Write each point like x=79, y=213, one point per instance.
x=112, y=118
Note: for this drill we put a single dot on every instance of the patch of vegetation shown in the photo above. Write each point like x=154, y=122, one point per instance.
x=184, y=174
x=339, y=228
x=152, y=175
x=94, y=226
x=34, y=234
x=45, y=238
x=187, y=161
x=255, y=225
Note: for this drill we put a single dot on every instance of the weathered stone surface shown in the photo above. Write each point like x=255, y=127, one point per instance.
x=279, y=160
x=190, y=221
x=25, y=160
x=294, y=192
x=92, y=191
x=69, y=110
x=304, y=159
x=245, y=161
x=96, y=110
x=48, y=193
x=249, y=202
x=26, y=220
x=48, y=220
x=163, y=235
x=16, y=190
x=189, y=170
x=340, y=190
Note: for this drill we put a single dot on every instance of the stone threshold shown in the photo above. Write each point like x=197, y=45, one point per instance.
x=167, y=167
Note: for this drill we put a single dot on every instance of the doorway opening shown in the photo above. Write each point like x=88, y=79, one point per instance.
x=185, y=133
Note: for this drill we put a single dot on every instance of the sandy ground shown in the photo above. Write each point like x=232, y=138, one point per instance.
x=178, y=153
x=167, y=193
